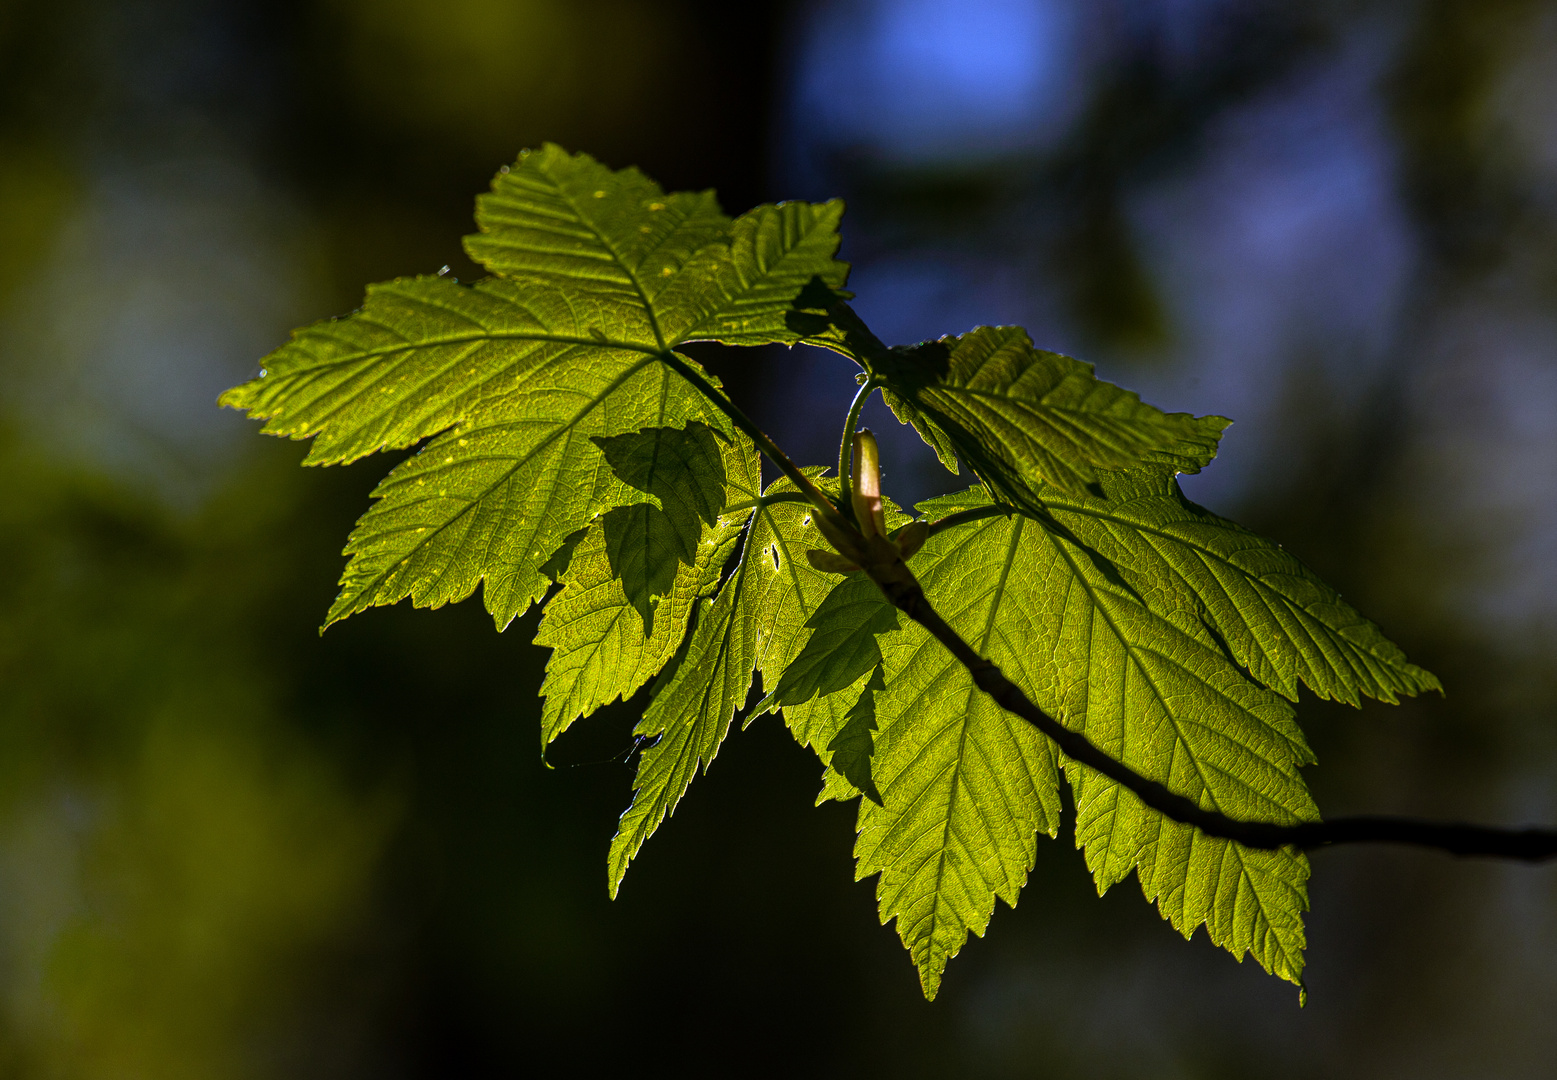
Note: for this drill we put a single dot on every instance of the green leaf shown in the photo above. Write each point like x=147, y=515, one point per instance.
x=1021, y=417
x=842, y=646
x=426, y=354
x=644, y=549
x=966, y=785
x=818, y=722
x=780, y=266
x=577, y=226
x=554, y=567
x=854, y=746
x=1276, y=617
x=753, y=626
x=601, y=650
x=513, y=377
x=674, y=265
x=1151, y=614
x=1152, y=689
x=681, y=467
x=827, y=691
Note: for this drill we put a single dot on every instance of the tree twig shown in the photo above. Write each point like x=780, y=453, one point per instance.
x=879, y=558
x=897, y=582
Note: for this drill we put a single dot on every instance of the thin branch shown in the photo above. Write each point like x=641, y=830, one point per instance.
x=895, y=580
x=879, y=558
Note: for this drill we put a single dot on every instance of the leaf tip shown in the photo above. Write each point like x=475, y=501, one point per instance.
x=616, y=867
x=236, y=397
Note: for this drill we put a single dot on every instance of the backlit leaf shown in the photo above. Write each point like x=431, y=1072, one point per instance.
x=853, y=748
x=512, y=378
x=966, y=785
x=842, y=645
x=1152, y=692
x=674, y=264
x=601, y=648
x=1021, y=417
x=1277, y=617
x=681, y=467
x=753, y=626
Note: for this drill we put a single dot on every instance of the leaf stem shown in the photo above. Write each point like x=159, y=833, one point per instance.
x=850, y=424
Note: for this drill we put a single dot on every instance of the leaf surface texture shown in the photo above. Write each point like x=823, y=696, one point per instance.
x=601, y=275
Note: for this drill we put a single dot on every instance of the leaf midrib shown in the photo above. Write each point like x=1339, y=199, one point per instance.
x=1209, y=556
x=632, y=276
x=997, y=595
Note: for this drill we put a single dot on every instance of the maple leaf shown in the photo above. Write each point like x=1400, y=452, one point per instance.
x=602, y=649
x=752, y=627
x=601, y=277
x=1159, y=631
x=1021, y=418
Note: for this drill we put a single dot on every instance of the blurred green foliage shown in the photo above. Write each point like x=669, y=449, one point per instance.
x=173, y=854
x=472, y=70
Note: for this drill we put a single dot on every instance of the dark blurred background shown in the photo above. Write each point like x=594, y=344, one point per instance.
x=230, y=848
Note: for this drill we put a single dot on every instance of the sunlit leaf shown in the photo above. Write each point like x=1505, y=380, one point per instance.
x=681, y=467
x=674, y=265
x=1019, y=417
x=966, y=785
x=842, y=645
x=1150, y=688
x=753, y=626
x=854, y=747
x=1275, y=615
x=603, y=275
x=644, y=549
x=601, y=648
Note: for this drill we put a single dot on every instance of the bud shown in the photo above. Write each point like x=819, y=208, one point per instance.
x=867, y=486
